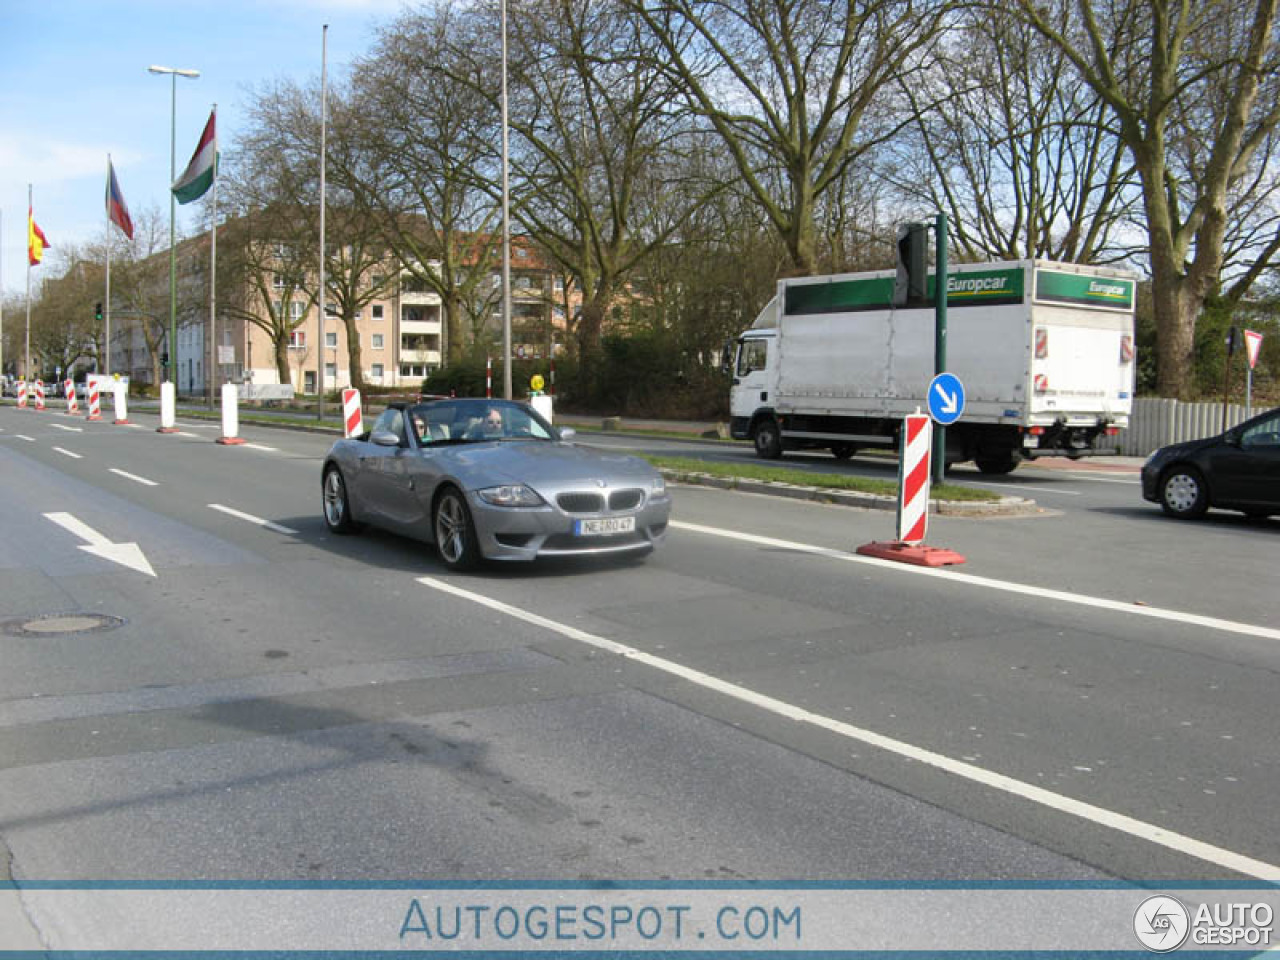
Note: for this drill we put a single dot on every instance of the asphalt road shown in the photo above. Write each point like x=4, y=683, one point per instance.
x=1091, y=696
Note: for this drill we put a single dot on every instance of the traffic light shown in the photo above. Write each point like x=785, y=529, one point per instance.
x=909, y=286
x=97, y=313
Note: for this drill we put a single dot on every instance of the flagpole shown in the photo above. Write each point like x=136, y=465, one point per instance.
x=26, y=368
x=212, y=371
x=106, y=303
x=324, y=54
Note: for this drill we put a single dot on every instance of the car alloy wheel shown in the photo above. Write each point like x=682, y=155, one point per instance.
x=337, y=510
x=455, y=533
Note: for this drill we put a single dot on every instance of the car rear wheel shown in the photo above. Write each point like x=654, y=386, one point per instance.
x=1183, y=493
x=337, y=508
x=455, y=532
x=843, y=451
x=995, y=466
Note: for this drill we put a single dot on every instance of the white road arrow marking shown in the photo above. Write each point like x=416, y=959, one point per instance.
x=950, y=401
x=126, y=554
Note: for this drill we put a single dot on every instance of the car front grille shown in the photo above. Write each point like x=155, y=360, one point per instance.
x=581, y=502
x=588, y=502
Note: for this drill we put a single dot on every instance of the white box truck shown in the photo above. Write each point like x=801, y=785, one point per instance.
x=1045, y=352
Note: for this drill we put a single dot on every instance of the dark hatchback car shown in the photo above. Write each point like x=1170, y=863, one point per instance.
x=1236, y=470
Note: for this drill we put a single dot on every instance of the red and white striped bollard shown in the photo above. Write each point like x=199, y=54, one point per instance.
x=70, y=389
x=95, y=401
x=352, y=420
x=39, y=394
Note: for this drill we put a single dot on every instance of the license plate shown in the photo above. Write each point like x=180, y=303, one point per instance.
x=603, y=526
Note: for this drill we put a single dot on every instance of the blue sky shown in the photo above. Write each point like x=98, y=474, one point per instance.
x=74, y=87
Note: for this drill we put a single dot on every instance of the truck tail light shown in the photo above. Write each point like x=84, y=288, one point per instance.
x=1042, y=343
x=1036, y=431
x=1113, y=431
x=1126, y=349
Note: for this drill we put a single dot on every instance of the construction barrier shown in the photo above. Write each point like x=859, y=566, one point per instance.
x=230, y=416
x=913, y=502
x=95, y=401
x=352, y=421
x=39, y=394
x=543, y=405
x=69, y=388
x=122, y=403
x=22, y=393
x=168, y=408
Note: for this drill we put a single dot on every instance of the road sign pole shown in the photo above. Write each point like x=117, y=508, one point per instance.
x=940, y=341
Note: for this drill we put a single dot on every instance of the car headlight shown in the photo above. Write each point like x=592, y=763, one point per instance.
x=510, y=495
x=658, y=487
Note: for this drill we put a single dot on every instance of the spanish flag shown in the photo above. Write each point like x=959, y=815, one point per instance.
x=36, y=241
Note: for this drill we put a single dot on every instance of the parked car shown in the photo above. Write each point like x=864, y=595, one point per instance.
x=1236, y=470
x=491, y=479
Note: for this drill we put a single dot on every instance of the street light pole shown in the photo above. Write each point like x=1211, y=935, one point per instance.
x=506, y=223
x=174, y=73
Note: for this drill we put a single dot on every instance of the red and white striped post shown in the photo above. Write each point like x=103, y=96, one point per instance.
x=95, y=400
x=488, y=377
x=22, y=394
x=913, y=502
x=69, y=388
x=352, y=421
x=39, y=394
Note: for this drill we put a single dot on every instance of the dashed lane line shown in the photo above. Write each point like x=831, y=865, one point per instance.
x=1189, y=846
x=134, y=477
x=278, y=528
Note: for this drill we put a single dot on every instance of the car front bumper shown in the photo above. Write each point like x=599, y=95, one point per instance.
x=514, y=533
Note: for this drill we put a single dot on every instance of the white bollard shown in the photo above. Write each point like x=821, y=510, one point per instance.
x=168, y=408
x=542, y=405
x=230, y=416
x=121, y=392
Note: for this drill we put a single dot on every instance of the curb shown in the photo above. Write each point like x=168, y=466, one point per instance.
x=1004, y=507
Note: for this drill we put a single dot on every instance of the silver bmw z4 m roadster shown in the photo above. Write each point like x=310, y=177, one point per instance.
x=491, y=479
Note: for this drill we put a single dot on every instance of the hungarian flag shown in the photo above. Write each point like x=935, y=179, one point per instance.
x=117, y=212
x=36, y=240
x=198, y=177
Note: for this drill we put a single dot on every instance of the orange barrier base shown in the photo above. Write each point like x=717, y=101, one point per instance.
x=917, y=553
x=230, y=441
x=166, y=429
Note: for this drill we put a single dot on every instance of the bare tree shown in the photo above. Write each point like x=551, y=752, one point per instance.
x=1192, y=90
x=797, y=91
x=1017, y=152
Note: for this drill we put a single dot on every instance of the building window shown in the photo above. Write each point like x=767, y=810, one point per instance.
x=298, y=340
x=376, y=371
x=297, y=309
x=377, y=311
x=330, y=339
x=277, y=281
x=377, y=341
x=330, y=372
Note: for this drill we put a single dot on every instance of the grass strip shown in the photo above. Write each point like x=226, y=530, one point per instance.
x=803, y=478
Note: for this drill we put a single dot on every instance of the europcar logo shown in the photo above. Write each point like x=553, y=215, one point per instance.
x=1162, y=924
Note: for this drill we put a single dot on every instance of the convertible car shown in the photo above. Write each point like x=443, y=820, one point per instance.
x=490, y=479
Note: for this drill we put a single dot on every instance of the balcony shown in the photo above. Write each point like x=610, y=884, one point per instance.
x=420, y=356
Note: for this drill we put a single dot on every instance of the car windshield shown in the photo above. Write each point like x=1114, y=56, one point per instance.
x=477, y=421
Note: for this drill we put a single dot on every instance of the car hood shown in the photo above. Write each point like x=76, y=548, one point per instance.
x=1185, y=448
x=545, y=464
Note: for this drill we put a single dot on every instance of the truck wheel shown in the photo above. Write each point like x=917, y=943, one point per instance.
x=996, y=465
x=767, y=438
x=1183, y=493
x=843, y=451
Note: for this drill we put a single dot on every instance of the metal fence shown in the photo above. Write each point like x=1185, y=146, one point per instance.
x=1156, y=422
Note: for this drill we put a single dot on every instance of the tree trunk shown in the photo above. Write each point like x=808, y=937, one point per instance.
x=281, y=343
x=354, y=361
x=456, y=341
x=590, y=329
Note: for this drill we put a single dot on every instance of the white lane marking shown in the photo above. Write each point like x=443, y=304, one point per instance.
x=1082, y=599
x=126, y=554
x=63, y=426
x=259, y=446
x=193, y=436
x=23, y=436
x=134, y=477
x=68, y=453
x=1055, y=801
x=1095, y=479
x=278, y=528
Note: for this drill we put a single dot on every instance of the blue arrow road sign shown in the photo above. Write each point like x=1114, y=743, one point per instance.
x=946, y=398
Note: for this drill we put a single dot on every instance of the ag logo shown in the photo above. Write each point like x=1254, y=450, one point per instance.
x=1162, y=924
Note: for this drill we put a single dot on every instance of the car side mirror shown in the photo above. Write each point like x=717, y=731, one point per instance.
x=567, y=433
x=384, y=438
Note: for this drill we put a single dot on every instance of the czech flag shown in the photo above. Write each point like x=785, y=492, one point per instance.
x=36, y=240
x=117, y=211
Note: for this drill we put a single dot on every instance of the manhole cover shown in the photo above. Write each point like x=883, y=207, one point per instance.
x=54, y=624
